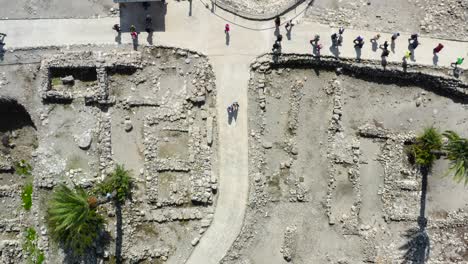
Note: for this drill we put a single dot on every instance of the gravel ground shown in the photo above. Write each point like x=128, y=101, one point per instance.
x=437, y=18
x=321, y=195
x=24, y=9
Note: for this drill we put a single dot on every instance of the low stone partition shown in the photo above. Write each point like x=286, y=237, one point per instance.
x=413, y=74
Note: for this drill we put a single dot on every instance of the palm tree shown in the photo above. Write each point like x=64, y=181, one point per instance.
x=426, y=148
x=118, y=183
x=457, y=153
x=72, y=219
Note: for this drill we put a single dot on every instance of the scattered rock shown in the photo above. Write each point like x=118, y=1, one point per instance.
x=128, y=125
x=68, y=80
x=84, y=142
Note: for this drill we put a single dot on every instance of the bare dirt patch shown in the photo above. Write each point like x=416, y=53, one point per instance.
x=151, y=111
x=325, y=192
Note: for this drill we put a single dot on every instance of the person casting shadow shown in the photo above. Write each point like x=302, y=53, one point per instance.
x=277, y=25
x=135, y=40
x=230, y=114
x=288, y=28
x=435, y=59
x=149, y=38
x=235, y=110
x=118, y=38
x=227, y=29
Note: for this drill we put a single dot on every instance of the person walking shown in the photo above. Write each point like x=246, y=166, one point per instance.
x=2, y=38
x=385, y=53
x=395, y=36
x=384, y=46
x=276, y=47
x=413, y=41
x=148, y=23
x=289, y=25
x=358, y=42
x=277, y=22
x=407, y=55
x=279, y=38
x=375, y=38
x=116, y=27
x=413, y=37
x=438, y=48
x=235, y=106
x=341, y=30
x=457, y=63
x=316, y=39
x=334, y=38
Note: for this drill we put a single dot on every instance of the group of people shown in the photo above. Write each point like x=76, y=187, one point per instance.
x=288, y=26
x=133, y=32
x=413, y=43
x=232, y=111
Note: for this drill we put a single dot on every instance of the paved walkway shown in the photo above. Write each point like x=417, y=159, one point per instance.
x=203, y=31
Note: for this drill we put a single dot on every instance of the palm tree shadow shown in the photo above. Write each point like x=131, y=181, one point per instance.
x=93, y=255
x=119, y=233
x=418, y=245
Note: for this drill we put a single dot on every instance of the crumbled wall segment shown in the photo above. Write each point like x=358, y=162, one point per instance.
x=328, y=147
x=152, y=111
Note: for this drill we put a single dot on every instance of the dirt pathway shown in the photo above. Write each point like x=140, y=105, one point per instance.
x=232, y=75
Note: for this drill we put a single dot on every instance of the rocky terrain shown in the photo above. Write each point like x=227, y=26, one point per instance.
x=72, y=115
x=24, y=9
x=441, y=19
x=331, y=179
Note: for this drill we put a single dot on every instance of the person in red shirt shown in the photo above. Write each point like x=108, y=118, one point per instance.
x=226, y=29
x=438, y=48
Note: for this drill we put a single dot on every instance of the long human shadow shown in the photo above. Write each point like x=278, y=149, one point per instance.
x=119, y=233
x=418, y=245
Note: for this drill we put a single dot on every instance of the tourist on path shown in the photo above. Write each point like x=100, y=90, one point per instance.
x=385, y=53
x=279, y=38
x=438, y=48
x=2, y=38
x=384, y=46
x=413, y=41
x=148, y=24
x=341, y=30
x=116, y=27
x=375, y=38
x=289, y=25
x=407, y=54
x=458, y=62
x=334, y=38
x=358, y=42
x=340, y=36
x=276, y=47
x=288, y=28
x=316, y=39
x=394, y=37
x=277, y=21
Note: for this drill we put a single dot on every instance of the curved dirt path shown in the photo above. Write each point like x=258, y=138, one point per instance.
x=232, y=75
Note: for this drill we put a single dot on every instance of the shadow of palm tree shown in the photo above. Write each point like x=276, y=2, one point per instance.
x=418, y=245
x=119, y=233
x=93, y=255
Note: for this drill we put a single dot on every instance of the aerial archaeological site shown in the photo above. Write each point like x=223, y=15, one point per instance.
x=233, y=131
